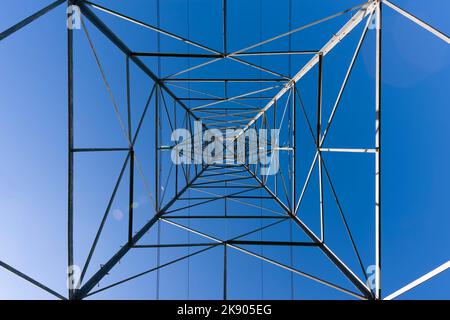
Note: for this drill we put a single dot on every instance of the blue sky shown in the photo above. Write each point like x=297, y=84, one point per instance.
x=33, y=136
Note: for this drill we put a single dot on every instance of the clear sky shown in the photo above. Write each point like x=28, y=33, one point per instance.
x=33, y=140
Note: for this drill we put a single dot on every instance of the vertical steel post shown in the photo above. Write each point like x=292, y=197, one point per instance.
x=131, y=182
x=275, y=177
x=378, y=154
x=157, y=92
x=319, y=99
x=175, y=126
x=225, y=272
x=157, y=168
x=70, y=154
x=131, y=199
x=318, y=134
x=293, y=188
x=158, y=253
x=294, y=148
x=127, y=62
x=224, y=7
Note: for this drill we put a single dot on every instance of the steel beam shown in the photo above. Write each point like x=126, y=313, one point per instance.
x=30, y=19
x=70, y=166
x=361, y=286
x=92, y=282
x=124, y=48
x=177, y=37
x=31, y=280
x=341, y=34
x=378, y=55
x=418, y=21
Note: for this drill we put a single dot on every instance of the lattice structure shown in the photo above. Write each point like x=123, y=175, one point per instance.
x=269, y=99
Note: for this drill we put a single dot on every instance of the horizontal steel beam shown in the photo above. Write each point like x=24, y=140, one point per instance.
x=348, y=150
x=175, y=55
x=275, y=53
x=99, y=149
x=210, y=80
x=225, y=217
x=172, y=245
x=273, y=243
x=218, y=55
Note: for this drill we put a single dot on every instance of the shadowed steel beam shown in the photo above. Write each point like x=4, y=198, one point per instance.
x=31, y=280
x=327, y=251
x=30, y=19
x=206, y=80
x=273, y=243
x=153, y=269
x=219, y=241
x=103, y=221
x=218, y=55
x=301, y=273
x=99, y=149
x=225, y=217
x=224, y=26
x=173, y=245
x=92, y=282
x=175, y=55
x=70, y=156
x=344, y=220
x=278, y=264
x=229, y=244
x=111, y=200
